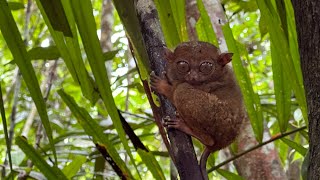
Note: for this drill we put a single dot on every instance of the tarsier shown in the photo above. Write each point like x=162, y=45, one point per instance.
x=205, y=93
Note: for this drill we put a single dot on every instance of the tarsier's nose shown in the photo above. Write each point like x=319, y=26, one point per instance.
x=193, y=75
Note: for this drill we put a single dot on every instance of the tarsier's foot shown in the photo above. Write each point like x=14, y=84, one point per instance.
x=177, y=123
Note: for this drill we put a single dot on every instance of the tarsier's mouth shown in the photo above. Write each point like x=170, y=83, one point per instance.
x=195, y=82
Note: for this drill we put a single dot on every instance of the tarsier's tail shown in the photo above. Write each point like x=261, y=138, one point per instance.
x=203, y=163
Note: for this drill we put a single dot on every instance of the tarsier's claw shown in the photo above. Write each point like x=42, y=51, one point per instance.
x=164, y=74
x=166, y=119
x=176, y=113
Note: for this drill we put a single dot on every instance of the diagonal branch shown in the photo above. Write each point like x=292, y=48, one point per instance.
x=256, y=147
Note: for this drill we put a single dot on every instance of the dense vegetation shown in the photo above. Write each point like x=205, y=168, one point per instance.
x=59, y=102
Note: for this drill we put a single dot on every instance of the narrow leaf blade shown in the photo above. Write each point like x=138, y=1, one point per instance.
x=300, y=149
x=94, y=130
x=251, y=100
x=57, y=16
x=71, y=169
x=50, y=172
x=14, y=41
x=152, y=164
x=82, y=10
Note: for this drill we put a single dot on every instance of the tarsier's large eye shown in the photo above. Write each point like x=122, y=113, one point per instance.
x=206, y=67
x=183, y=66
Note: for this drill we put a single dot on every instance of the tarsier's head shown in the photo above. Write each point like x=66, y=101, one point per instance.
x=196, y=62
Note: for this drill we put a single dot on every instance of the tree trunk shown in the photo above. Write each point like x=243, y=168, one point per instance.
x=192, y=16
x=181, y=145
x=263, y=163
x=106, y=31
x=307, y=14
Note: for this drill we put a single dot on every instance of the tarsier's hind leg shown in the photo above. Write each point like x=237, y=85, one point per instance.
x=178, y=123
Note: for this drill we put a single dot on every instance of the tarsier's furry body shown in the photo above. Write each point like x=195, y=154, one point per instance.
x=205, y=93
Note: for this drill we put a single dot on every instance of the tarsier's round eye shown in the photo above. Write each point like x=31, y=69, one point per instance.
x=206, y=67
x=183, y=66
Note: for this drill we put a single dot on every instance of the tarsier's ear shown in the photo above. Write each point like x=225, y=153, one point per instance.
x=168, y=54
x=225, y=58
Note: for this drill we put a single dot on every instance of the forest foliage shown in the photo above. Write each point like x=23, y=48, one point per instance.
x=52, y=63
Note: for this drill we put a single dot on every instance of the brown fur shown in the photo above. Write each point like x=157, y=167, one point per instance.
x=209, y=105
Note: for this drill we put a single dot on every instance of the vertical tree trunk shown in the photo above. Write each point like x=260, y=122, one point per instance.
x=181, y=145
x=307, y=14
x=106, y=31
x=192, y=16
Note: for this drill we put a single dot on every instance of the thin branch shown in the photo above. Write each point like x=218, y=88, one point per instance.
x=256, y=147
x=136, y=115
x=108, y=158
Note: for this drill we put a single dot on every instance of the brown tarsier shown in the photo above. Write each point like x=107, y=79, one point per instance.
x=205, y=93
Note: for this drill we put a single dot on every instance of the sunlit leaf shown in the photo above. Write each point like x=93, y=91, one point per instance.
x=151, y=163
x=168, y=23
x=14, y=41
x=294, y=50
x=82, y=10
x=4, y=125
x=110, y=55
x=93, y=129
x=16, y=5
x=70, y=52
x=206, y=25
x=50, y=172
x=71, y=169
x=229, y=175
x=56, y=16
x=300, y=149
x=281, y=46
x=50, y=52
x=282, y=90
x=179, y=15
x=129, y=19
x=251, y=100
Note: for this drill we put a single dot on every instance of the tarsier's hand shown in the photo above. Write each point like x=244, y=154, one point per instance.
x=160, y=85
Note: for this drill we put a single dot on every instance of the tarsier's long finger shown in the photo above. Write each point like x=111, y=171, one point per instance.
x=154, y=76
x=166, y=119
x=175, y=126
x=164, y=75
x=154, y=79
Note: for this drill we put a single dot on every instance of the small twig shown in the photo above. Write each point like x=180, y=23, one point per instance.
x=136, y=115
x=256, y=147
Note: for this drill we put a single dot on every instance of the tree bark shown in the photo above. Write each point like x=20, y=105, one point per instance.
x=192, y=17
x=106, y=31
x=181, y=145
x=263, y=163
x=307, y=14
